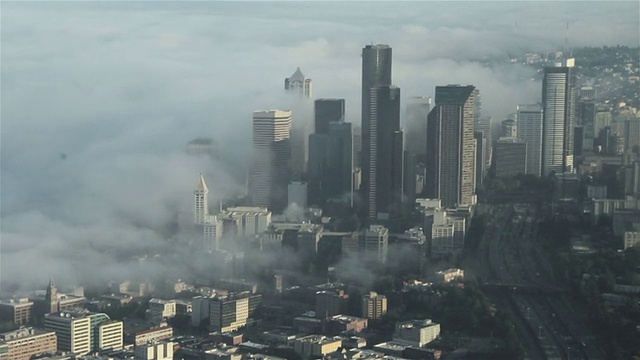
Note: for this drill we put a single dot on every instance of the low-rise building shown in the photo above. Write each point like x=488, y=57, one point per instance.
x=138, y=335
x=315, y=345
x=161, y=309
x=24, y=343
x=155, y=351
x=449, y=275
x=416, y=332
x=341, y=323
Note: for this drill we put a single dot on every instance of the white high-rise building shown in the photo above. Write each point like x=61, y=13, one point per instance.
x=201, y=201
x=299, y=84
x=270, y=170
x=558, y=102
x=373, y=243
x=530, y=130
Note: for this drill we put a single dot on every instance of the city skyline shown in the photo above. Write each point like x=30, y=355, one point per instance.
x=128, y=129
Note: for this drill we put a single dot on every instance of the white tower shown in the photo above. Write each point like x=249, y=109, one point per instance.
x=201, y=201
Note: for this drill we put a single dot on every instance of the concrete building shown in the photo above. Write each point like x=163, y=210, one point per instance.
x=308, y=239
x=16, y=311
x=314, y=346
x=451, y=148
x=155, y=351
x=54, y=301
x=210, y=226
x=331, y=303
x=73, y=331
x=231, y=312
x=416, y=332
x=245, y=221
x=374, y=305
x=382, y=139
x=509, y=128
x=482, y=124
x=203, y=146
x=530, y=131
x=342, y=323
x=510, y=157
x=270, y=170
x=298, y=84
x=110, y=335
x=161, y=309
x=150, y=335
x=632, y=236
x=447, y=233
x=558, y=102
x=373, y=243
x=24, y=343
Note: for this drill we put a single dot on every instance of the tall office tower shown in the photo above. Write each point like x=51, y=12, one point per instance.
x=418, y=108
x=558, y=103
x=483, y=125
x=511, y=157
x=481, y=144
x=271, y=158
x=382, y=155
x=586, y=116
x=409, y=177
x=451, y=148
x=578, y=140
x=381, y=136
x=201, y=201
x=631, y=135
x=530, y=131
x=327, y=111
x=330, y=164
x=509, y=128
x=299, y=84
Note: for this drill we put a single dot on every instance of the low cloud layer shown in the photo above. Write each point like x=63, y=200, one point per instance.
x=100, y=98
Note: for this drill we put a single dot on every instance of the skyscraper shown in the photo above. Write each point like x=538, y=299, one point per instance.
x=510, y=157
x=381, y=136
x=270, y=170
x=451, y=147
x=530, y=131
x=299, y=84
x=330, y=153
x=326, y=111
x=201, y=201
x=558, y=103
x=416, y=125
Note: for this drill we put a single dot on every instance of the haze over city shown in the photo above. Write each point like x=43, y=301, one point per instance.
x=100, y=99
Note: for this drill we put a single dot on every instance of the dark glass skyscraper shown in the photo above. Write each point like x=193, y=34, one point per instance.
x=382, y=148
x=326, y=111
x=451, y=147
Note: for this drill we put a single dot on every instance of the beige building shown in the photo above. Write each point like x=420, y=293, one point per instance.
x=154, y=351
x=152, y=335
x=315, y=345
x=24, y=343
x=160, y=309
x=72, y=329
x=231, y=312
x=110, y=335
x=374, y=305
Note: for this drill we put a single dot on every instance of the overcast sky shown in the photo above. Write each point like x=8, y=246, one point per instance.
x=100, y=98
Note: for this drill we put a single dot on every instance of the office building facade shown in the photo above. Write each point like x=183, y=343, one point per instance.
x=27, y=342
x=530, y=131
x=374, y=305
x=382, y=148
x=451, y=147
x=298, y=84
x=270, y=170
x=510, y=157
x=558, y=103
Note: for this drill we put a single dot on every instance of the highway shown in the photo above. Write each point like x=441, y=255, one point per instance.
x=515, y=275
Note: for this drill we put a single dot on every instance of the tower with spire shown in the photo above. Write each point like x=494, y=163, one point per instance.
x=299, y=84
x=51, y=297
x=201, y=201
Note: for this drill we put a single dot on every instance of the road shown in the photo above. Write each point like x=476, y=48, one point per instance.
x=515, y=275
